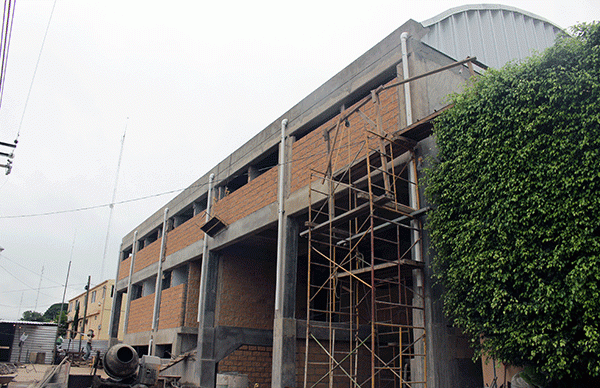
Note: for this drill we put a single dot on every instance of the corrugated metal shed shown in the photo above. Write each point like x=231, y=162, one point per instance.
x=38, y=346
x=495, y=34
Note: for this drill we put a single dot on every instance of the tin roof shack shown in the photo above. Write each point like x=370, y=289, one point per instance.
x=27, y=342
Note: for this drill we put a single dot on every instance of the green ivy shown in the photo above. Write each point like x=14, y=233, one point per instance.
x=516, y=220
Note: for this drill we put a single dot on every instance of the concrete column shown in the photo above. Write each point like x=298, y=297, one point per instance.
x=115, y=318
x=284, y=325
x=206, y=364
x=197, y=208
x=252, y=173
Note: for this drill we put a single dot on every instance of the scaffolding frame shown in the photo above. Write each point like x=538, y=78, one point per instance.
x=365, y=288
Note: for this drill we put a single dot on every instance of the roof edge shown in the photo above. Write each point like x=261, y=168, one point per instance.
x=34, y=323
x=491, y=7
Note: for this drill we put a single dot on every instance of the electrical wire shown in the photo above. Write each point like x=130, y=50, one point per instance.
x=33, y=272
x=216, y=182
x=35, y=70
x=22, y=282
x=23, y=289
x=7, y=24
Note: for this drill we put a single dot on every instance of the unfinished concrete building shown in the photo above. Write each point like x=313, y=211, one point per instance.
x=301, y=259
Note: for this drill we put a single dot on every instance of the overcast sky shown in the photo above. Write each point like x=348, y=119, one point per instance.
x=190, y=81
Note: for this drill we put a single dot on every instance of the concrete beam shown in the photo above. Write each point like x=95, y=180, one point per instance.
x=228, y=339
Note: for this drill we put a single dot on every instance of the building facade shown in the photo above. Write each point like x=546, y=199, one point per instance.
x=92, y=311
x=301, y=258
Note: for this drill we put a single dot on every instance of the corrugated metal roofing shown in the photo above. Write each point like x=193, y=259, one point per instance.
x=495, y=34
x=30, y=323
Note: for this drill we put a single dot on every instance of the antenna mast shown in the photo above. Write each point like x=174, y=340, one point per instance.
x=112, y=202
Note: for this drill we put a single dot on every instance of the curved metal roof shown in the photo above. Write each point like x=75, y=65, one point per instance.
x=494, y=33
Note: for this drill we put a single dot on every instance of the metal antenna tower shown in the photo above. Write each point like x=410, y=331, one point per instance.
x=112, y=203
x=38, y=290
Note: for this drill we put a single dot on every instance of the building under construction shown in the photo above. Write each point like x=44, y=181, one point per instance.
x=301, y=259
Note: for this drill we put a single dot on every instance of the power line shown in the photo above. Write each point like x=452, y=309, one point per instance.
x=30, y=270
x=91, y=207
x=28, y=289
x=36, y=68
x=217, y=181
x=7, y=24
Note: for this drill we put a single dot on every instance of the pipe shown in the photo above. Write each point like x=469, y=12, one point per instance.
x=403, y=39
x=204, y=272
x=158, y=287
x=281, y=219
x=412, y=168
x=129, y=282
x=413, y=195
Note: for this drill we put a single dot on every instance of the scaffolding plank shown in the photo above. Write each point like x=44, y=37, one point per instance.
x=402, y=262
x=347, y=216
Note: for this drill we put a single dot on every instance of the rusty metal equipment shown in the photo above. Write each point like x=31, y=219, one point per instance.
x=124, y=368
x=121, y=361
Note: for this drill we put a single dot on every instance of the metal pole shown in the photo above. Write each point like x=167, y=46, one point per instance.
x=280, y=224
x=158, y=286
x=129, y=282
x=204, y=270
x=60, y=313
x=87, y=294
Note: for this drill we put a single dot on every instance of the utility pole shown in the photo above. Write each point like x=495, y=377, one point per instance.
x=60, y=313
x=87, y=294
x=8, y=164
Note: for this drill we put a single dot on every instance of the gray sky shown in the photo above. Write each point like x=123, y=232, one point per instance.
x=195, y=80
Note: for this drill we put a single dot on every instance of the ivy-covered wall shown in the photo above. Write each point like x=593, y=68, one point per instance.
x=516, y=219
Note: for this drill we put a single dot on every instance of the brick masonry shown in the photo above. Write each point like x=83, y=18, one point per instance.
x=246, y=292
x=247, y=284
x=172, y=307
x=193, y=287
x=140, y=314
x=252, y=361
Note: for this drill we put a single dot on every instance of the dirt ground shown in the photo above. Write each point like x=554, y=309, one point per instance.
x=32, y=373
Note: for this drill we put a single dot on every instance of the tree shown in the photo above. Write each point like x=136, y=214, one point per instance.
x=75, y=323
x=516, y=221
x=33, y=316
x=52, y=313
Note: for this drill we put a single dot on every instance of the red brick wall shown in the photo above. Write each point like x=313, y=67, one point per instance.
x=246, y=296
x=147, y=256
x=140, y=314
x=185, y=234
x=249, y=198
x=246, y=292
x=318, y=362
x=172, y=303
x=253, y=361
x=124, y=268
x=193, y=292
x=310, y=152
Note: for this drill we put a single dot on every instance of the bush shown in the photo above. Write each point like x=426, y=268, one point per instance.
x=516, y=220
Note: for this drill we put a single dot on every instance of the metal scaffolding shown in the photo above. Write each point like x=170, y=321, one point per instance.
x=365, y=303
x=364, y=318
